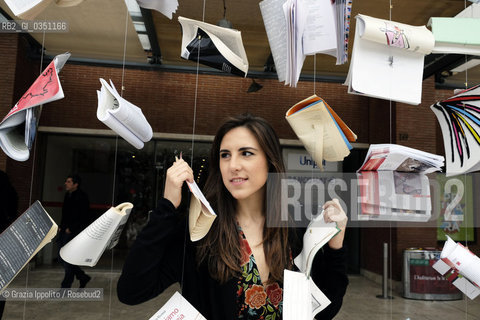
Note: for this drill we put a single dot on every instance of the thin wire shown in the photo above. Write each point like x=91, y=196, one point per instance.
x=314, y=73
x=116, y=156
x=390, y=222
x=465, y=177
x=31, y=176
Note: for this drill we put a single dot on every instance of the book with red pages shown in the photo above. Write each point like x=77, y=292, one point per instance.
x=461, y=267
x=18, y=127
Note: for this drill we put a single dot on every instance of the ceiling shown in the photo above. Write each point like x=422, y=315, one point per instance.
x=103, y=31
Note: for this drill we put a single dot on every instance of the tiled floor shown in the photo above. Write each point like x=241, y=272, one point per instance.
x=360, y=301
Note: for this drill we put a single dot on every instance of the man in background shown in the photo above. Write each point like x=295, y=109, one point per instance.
x=75, y=218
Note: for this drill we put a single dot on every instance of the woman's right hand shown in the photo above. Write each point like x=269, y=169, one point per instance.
x=179, y=172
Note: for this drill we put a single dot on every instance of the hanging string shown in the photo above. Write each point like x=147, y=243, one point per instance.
x=34, y=149
x=390, y=222
x=115, y=158
x=314, y=73
x=193, y=131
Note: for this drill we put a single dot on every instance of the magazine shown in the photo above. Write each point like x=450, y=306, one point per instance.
x=460, y=266
x=18, y=127
x=166, y=7
x=27, y=9
x=123, y=117
x=218, y=47
x=177, y=307
x=459, y=119
x=396, y=157
x=456, y=35
x=102, y=234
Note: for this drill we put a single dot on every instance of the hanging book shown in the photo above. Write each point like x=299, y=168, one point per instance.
x=123, y=117
x=456, y=35
x=18, y=127
x=459, y=118
x=88, y=246
x=166, y=7
x=21, y=241
x=214, y=46
x=387, y=60
x=28, y=9
x=322, y=132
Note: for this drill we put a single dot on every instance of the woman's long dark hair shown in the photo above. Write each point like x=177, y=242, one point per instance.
x=221, y=246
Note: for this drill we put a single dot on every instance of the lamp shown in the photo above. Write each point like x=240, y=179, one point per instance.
x=224, y=22
x=254, y=87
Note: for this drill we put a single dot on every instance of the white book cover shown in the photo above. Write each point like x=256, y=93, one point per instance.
x=218, y=47
x=459, y=119
x=302, y=299
x=123, y=117
x=387, y=60
x=177, y=307
x=88, y=246
x=318, y=233
x=18, y=127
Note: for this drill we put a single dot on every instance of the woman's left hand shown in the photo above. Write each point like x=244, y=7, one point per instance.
x=333, y=212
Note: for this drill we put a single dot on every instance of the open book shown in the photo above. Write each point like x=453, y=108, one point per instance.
x=217, y=47
x=88, y=246
x=302, y=299
x=322, y=132
x=201, y=214
x=18, y=127
x=296, y=29
x=459, y=119
x=27, y=9
x=166, y=7
x=22, y=240
x=177, y=307
x=456, y=35
x=387, y=59
x=460, y=266
x=396, y=157
x=123, y=117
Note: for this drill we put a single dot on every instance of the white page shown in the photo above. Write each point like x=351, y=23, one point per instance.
x=20, y=6
x=276, y=28
x=302, y=299
x=177, y=307
x=320, y=31
x=199, y=195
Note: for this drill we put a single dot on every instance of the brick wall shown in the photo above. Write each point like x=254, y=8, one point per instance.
x=168, y=100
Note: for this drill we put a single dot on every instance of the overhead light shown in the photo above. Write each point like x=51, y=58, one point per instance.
x=254, y=87
x=467, y=65
x=138, y=23
x=224, y=22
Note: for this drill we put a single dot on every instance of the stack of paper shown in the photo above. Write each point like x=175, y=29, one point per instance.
x=459, y=118
x=123, y=117
x=460, y=266
x=296, y=29
x=217, y=47
x=456, y=35
x=322, y=132
x=19, y=126
x=166, y=7
x=387, y=60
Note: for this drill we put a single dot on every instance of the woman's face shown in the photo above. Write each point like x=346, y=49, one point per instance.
x=243, y=164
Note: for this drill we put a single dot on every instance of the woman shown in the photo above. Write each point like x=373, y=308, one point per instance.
x=236, y=271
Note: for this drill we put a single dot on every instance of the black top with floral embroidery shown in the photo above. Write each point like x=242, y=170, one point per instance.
x=163, y=255
x=254, y=299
